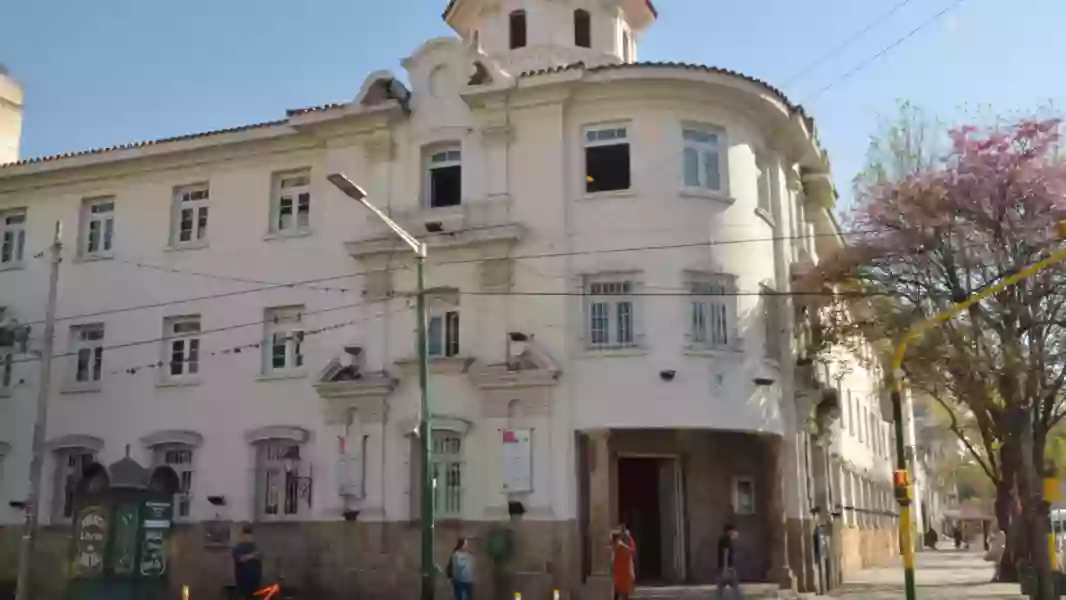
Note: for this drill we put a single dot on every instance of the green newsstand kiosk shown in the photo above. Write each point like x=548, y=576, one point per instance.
x=121, y=530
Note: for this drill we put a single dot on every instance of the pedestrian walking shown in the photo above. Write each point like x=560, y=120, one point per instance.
x=460, y=571
x=727, y=563
x=247, y=565
x=623, y=566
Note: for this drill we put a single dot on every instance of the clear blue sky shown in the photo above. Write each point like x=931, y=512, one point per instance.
x=108, y=71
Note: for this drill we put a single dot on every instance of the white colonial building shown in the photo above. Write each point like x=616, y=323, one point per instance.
x=611, y=247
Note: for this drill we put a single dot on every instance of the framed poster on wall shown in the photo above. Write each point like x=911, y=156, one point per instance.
x=517, y=460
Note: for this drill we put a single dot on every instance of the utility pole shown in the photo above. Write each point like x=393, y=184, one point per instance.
x=33, y=499
x=429, y=568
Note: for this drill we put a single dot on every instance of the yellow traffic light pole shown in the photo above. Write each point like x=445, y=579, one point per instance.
x=902, y=476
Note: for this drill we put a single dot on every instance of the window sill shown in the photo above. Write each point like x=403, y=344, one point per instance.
x=765, y=215
x=13, y=266
x=615, y=352
x=713, y=352
x=174, y=383
x=720, y=197
x=81, y=388
x=629, y=193
x=85, y=258
x=280, y=375
x=198, y=245
x=285, y=235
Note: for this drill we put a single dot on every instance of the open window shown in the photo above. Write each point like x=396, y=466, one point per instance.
x=444, y=176
x=518, y=29
x=442, y=326
x=582, y=29
x=606, y=159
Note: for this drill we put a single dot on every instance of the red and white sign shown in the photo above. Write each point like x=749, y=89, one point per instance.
x=517, y=460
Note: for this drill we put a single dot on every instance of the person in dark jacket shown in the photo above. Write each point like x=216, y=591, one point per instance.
x=247, y=565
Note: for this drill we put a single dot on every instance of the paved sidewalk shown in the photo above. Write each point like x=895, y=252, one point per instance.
x=941, y=575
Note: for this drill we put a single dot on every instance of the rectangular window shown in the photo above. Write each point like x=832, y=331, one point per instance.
x=771, y=323
x=444, y=177
x=98, y=226
x=283, y=339
x=291, y=202
x=582, y=29
x=611, y=317
x=178, y=457
x=447, y=464
x=606, y=159
x=12, y=236
x=443, y=334
x=87, y=346
x=281, y=492
x=851, y=412
x=702, y=164
x=764, y=184
x=191, y=204
x=181, y=346
x=70, y=465
x=7, y=370
x=518, y=29
x=712, y=310
x=744, y=495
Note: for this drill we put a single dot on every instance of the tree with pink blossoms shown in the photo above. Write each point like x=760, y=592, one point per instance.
x=931, y=229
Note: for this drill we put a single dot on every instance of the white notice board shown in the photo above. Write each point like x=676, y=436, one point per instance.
x=517, y=460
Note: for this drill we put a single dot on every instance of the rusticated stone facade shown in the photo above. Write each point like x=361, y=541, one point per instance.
x=863, y=548
x=340, y=560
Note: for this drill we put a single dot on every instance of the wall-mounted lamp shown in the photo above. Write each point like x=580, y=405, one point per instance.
x=434, y=226
x=667, y=374
x=17, y=504
x=763, y=381
x=291, y=463
x=217, y=500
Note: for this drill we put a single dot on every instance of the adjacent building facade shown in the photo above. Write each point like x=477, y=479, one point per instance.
x=611, y=250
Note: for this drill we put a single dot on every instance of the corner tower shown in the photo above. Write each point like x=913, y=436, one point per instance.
x=525, y=35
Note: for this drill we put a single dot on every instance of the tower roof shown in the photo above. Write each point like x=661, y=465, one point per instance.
x=452, y=3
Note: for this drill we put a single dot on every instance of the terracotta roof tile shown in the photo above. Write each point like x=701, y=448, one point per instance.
x=141, y=144
x=310, y=109
x=670, y=65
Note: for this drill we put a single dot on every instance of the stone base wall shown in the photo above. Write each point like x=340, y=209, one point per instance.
x=340, y=560
x=864, y=548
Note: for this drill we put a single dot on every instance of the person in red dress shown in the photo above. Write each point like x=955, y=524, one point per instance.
x=623, y=569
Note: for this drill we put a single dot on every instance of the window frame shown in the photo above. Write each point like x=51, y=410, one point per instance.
x=702, y=149
x=429, y=165
x=737, y=508
x=582, y=28
x=596, y=129
x=186, y=472
x=445, y=307
x=64, y=480
x=728, y=305
x=80, y=341
x=629, y=295
x=772, y=325
x=448, y=460
x=268, y=460
x=764, y=202
x=517, y=29
x=105, y=235
x=284, y=322
x=191, y=342
x=12, y=237
x=201, y=212
x=300, y=201
x=7, y=372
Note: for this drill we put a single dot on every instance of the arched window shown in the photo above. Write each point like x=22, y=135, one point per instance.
x=518, y=29
x=582, y=29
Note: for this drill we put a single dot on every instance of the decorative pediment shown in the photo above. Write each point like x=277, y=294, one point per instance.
x=172, y=436
x=522, y=386
x=347, y=388
x=277, y=432
x=437, y=422
x=75, y=441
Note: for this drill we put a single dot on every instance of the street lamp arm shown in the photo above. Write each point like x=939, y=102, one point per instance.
x=353, y=191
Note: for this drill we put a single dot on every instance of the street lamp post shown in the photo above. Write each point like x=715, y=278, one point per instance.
x=357, y=193
x=901, y=480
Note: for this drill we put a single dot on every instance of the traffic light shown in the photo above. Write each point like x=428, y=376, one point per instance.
x=901, y=482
